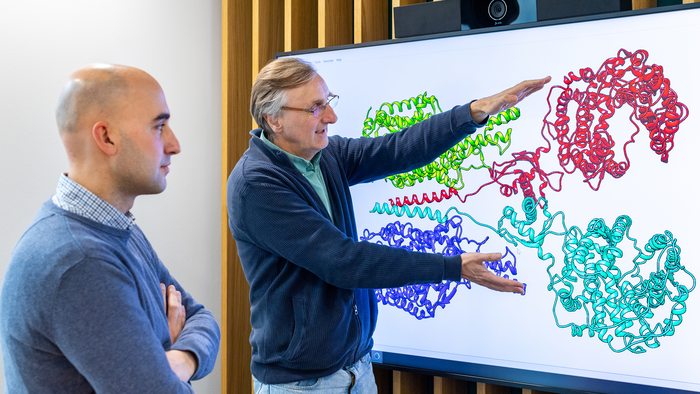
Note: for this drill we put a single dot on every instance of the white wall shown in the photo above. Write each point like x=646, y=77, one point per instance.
x=176, y=41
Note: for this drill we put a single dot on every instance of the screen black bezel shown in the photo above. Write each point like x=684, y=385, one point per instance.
x=487, y=30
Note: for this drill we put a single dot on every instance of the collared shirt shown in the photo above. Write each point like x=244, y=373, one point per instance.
x=311, y=170
x=76, y=199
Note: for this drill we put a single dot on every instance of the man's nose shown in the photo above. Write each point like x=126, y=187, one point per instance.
x=172, y=145
x=329, y=115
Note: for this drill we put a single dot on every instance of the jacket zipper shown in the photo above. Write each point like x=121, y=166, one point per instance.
x=359, y=326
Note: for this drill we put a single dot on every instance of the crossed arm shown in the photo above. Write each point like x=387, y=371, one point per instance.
x=110, y=333
x=183, y=363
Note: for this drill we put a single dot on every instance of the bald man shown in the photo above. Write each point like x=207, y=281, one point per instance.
x=87, y=305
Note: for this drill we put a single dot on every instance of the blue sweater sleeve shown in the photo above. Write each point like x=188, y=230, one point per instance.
x=273, y=219
x=100, y=325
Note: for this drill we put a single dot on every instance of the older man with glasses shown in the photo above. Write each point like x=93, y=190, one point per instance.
x=313, y=310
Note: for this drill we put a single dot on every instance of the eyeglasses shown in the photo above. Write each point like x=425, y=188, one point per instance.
x=321, y=109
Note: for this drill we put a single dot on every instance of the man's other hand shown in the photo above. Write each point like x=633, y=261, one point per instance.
x=474, y=270
x=174, y=310
x=183, y=363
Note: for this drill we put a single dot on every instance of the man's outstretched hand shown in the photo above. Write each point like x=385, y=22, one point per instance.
x=485, y=107
x=474, y=270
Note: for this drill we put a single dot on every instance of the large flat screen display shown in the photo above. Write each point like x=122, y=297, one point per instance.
x=588, y=188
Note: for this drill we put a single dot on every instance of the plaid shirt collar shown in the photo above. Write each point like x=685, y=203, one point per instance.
x=76, y=199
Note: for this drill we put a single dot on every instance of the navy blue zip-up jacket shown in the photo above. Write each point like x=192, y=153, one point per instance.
x=313, y=310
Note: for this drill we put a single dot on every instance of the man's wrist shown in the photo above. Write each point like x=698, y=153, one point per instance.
x=183, y=362
x=477, y=114
x=453, y=268
x=192, y=361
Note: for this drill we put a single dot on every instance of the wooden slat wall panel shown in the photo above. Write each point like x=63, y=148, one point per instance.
x=300, y=24
x=641, y=4
x=371, y=20
x=410, y=383
x=335, y=22
x=449, y=386
x=485, y=388
x=236, y=84
x=384, y=379
x=268, y=32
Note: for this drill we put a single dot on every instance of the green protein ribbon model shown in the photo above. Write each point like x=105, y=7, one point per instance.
x=447, y=169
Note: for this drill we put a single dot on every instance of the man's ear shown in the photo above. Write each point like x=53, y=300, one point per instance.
x=276, y=125
x=106, y=138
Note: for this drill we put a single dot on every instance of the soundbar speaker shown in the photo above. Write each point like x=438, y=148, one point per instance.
x=557, y=9
x=427, y=18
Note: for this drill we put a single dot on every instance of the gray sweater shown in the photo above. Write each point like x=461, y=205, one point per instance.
x=81, y=311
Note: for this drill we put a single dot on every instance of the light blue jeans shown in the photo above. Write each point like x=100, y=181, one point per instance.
x=358, y=378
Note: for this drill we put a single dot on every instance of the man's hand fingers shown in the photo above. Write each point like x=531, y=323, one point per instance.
x=174, y=298
x=165, y=300
x=176, y=313
x=488, y=106
x=505, y=285
x=526, y=88
x=491, y=256
x=531, y=85
x=494, y=282
x=474, y=270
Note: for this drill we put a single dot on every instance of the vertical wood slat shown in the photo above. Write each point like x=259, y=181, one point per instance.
x=641, y=4
x=371, y=20
x=335, y=22
x=690, y=1
x=236, y=85
x=486, y=388
x=384, y=379
x=300, y=25
x=409, y=383
x=268, y=32
x=449, y=386
x=400, y=3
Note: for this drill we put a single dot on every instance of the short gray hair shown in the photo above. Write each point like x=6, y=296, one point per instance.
x=269, y=92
